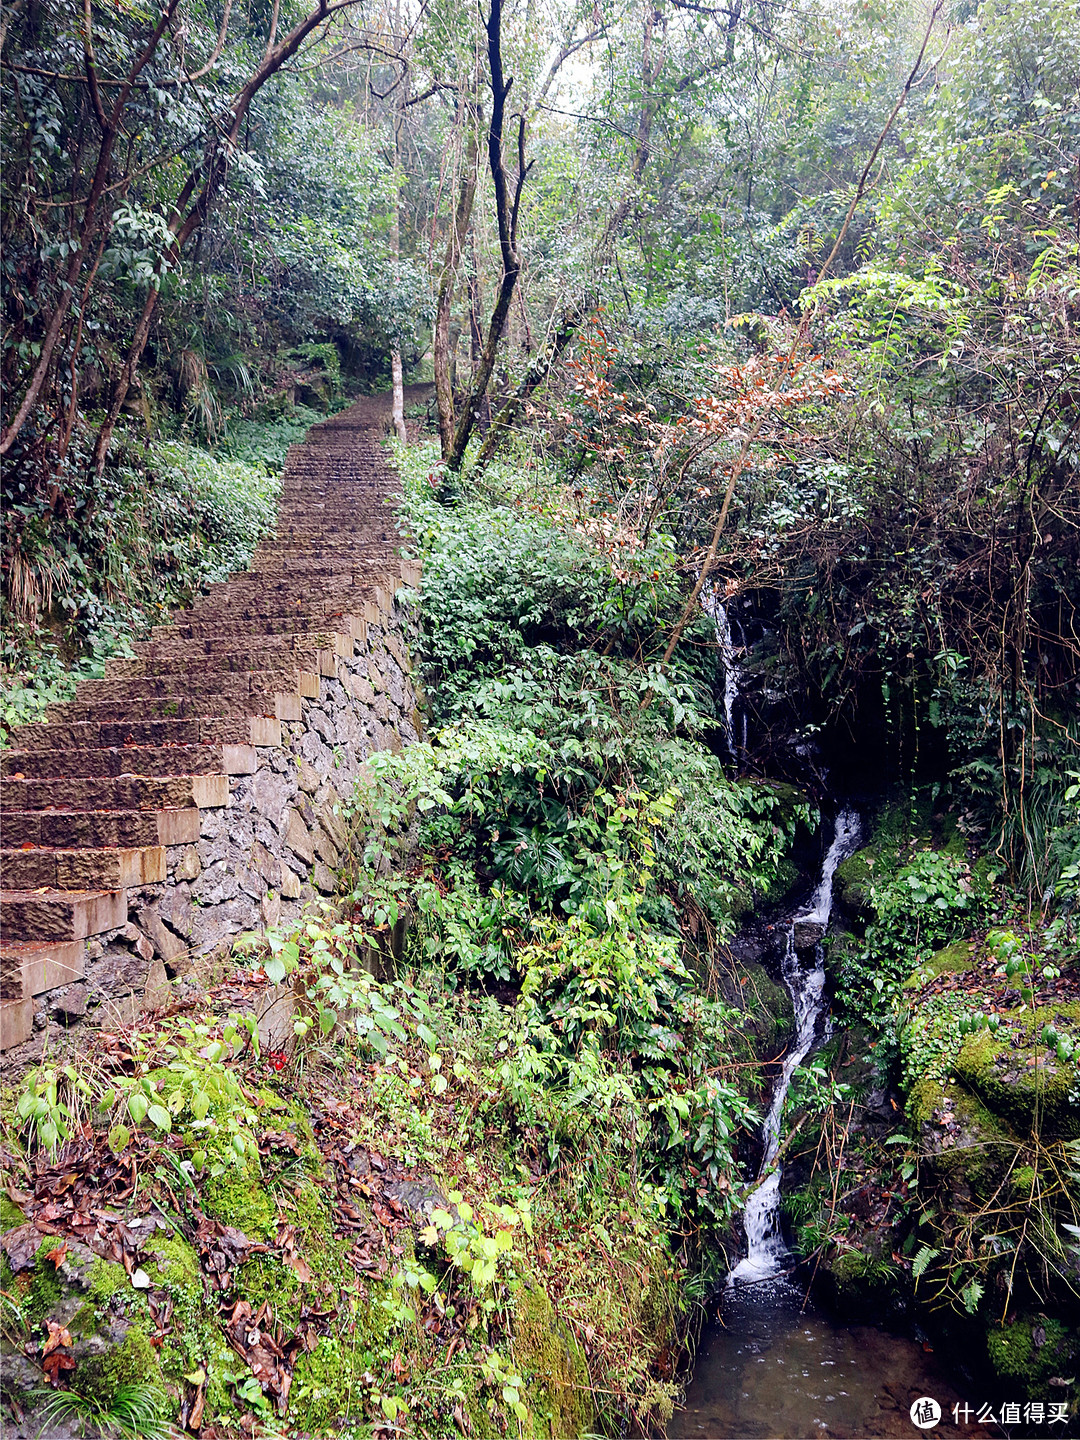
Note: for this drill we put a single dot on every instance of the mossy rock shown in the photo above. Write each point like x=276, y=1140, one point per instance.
x=968, y=1150
x=46, y=1288
x=237, y=1198
x=554, y=1368
x=952, y=960
x=176, y=1267
x=325, y=1389
x=787, y=877
x=851, y=883
x=740, y=904
x=106, y=1279
x=1027, y=1086
x=864, y=1278
x=133, y=1362
x=1032, y=1349
x=769, y=1012
x=10, y=1214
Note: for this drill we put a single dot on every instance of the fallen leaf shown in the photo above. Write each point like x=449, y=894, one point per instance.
x=140, y=1280
x=59, y=1335
x=55, y=1364
x=21, y=1246
x=59, y=1254
x=299, y=1266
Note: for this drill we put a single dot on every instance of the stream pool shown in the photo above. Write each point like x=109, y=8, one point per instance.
x=767, y=1369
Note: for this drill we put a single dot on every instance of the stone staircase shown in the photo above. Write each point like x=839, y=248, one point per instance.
x=95, y=799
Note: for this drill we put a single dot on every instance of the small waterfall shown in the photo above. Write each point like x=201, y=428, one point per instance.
x=765, y=1248
x=734, y=713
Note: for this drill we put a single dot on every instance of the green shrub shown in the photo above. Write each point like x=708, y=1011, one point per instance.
x=929, y=902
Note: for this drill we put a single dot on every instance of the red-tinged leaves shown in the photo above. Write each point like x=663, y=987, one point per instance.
x=59, y=1337
x=56, y=1364
x=58, y=1254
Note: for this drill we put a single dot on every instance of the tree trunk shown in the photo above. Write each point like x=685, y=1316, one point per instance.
x=213, y=173
x=110, y=128
x=398, y=403
x=396, y=381
x=444, y=393
x=534, y=377
x=506, y=213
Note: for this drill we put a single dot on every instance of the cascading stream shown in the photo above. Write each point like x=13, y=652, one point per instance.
x=717, y=612
x=765, y=1248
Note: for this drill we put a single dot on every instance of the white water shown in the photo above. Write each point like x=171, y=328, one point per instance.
x=765, y=1248
x=715, y=608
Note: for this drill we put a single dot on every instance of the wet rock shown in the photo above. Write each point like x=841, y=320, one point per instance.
x=807, y=934
x=324, y=878
x=176, y=909
x=168, y=945
x=157, y=993
x=418, y=1197
x=270, y=795
x=268, y=866
x=298, y=837
x=308, y=777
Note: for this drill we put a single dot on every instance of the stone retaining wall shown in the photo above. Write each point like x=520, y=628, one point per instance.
x=274, y=847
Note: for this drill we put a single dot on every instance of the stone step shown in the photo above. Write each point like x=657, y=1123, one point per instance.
x=119, y=792
x=255, y=730
x=61, y=914
x=257, y=626
x=312, y=568
x=194, y=656
x=39, y=965
x=82, y=868
x=129, y=760
x=233, y=646
x=283, y=704
x=102, y=829
x=203, y=679
x=16, y=1022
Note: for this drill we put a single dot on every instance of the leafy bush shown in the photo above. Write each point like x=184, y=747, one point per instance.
x=929, y=902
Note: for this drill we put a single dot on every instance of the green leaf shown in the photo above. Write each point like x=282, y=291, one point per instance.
x=159, y=1116
x=119, y=1136
x=138, y=1105
x=922, y=1260
x=200, y=1104
x=275, y=970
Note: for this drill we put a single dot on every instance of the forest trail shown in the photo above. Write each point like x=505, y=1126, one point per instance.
x=93, y=797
